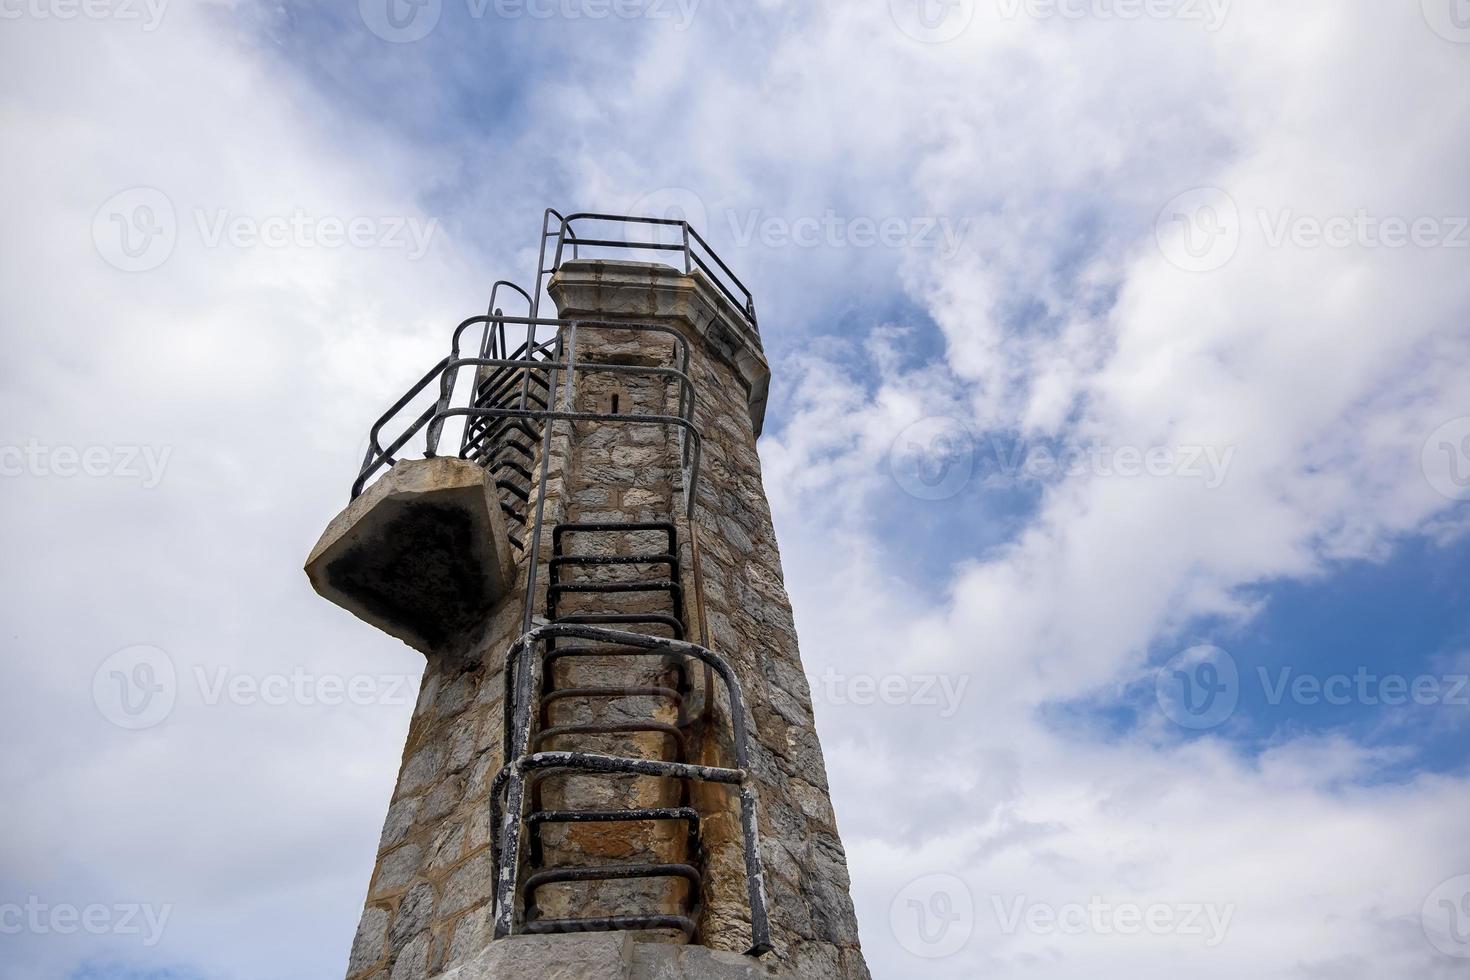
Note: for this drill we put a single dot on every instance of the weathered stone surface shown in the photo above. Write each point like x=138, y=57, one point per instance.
x=412, y=916
x=599, y=956
x=401, y=816
x=437, y=835
x=370, y=942
x=607, y=956
x=413, y=961
x=593, y=287
x=468, y=885
x=397, y=869
x=422, y=554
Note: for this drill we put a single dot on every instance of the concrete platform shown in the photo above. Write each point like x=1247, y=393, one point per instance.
x=605, y=956
x=422, y=554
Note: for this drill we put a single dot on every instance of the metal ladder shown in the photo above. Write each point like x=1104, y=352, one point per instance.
x=532, y=694
x=675, y=736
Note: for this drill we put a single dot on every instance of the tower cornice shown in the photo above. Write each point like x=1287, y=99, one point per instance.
x=609, y=288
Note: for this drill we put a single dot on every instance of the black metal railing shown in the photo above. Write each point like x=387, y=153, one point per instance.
x=695, y=252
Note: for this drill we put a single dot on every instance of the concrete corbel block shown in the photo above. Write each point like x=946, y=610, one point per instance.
x=422, y=554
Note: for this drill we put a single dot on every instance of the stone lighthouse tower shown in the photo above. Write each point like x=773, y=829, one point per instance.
x=612, y=769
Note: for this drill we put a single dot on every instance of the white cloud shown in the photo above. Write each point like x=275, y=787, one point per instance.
x=259, y=369
x=1324, y=369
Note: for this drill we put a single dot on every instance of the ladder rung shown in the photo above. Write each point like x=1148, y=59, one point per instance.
x=610, y=872
x=615, y=816
x=626, y=619
x=636, y=691
x=610, y=923
x=651, y=585
x=617, y=728
x=560, y=560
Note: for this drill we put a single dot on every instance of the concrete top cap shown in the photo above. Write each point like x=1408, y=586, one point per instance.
x=602, y=287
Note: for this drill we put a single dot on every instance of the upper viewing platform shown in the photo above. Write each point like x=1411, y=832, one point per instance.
x=589, y=235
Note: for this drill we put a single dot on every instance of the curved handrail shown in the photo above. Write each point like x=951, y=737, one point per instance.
x=520, y=675
x=376, y=456
x=723, y=280
x=492, y=309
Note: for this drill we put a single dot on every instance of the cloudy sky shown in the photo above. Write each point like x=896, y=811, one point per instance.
x=1119, y=448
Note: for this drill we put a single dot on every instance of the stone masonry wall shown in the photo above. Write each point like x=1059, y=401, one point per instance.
x=744, y=614
x=429, y=901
